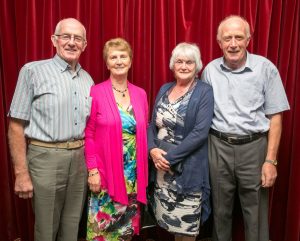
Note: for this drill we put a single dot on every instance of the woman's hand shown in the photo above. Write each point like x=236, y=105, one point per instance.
x=158, y=159
x=94, y=180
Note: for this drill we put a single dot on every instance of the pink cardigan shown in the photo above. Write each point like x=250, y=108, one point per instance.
x=103, y=140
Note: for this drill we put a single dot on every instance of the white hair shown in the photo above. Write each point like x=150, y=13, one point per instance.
x=221, y=25
x=59, y=24
x=188, y=50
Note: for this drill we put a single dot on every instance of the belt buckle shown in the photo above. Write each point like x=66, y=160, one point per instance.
x=231, y=139
x=68, y=145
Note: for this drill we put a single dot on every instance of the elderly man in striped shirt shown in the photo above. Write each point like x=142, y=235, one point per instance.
x=46, y=134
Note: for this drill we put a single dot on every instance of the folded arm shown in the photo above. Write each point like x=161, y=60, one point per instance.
x=198, y=135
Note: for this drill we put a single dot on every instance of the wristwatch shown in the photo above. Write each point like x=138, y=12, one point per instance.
x=274, y=162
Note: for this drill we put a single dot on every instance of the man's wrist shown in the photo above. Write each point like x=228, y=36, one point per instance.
x=274, y=162
x=20, y=170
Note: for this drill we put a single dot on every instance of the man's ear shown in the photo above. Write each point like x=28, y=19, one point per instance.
x=248, y=41
x=219, y=43
x=54, y=40
x=84, y=46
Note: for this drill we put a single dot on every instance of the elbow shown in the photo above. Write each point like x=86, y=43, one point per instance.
x=16, y=127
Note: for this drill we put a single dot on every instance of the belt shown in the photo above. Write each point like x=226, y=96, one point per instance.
x=58, y=145
x=236, y=139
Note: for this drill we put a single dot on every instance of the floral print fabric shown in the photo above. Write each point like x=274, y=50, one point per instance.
x=109, y=220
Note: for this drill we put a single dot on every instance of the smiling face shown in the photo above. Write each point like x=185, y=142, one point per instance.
x=118, y=62
x=69, y=49
x=184, y=69
x=233, y=41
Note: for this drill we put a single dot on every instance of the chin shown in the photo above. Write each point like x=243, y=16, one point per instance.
x=233, y=59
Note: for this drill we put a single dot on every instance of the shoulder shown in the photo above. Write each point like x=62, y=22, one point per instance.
x=261, y=61
x=84, y=72
x=203, y=93
x=32, y=69
x=203, y=87
x=256, y=57
x=214, y=64
x=36, y=65
x=86, y=78
x=137, y=91
x=166, y=86
x=95, y=89
x=136, y=88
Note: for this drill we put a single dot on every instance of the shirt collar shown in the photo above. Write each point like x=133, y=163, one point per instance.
x=246, y=68
x=64, y=66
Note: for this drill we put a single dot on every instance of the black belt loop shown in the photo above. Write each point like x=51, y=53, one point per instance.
x=236, y=139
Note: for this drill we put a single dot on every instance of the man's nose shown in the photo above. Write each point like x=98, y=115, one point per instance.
x=233, y=42
x=72, y=40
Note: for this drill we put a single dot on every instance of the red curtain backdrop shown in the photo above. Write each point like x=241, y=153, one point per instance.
x=154, y=27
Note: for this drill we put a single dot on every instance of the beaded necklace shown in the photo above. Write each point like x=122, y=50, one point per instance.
x=120, y=91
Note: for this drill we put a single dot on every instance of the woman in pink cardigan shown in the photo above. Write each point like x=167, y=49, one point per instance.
x=116, y=150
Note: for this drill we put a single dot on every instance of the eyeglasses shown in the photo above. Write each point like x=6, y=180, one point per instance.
x=68, y=37
x=180, y=62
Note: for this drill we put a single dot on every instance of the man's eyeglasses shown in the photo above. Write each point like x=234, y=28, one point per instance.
x=68, y=37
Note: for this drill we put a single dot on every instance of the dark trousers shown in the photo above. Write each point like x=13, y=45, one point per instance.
x=237, y=168
x=59, y=181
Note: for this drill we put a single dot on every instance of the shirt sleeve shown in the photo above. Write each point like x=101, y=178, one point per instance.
x=275, y=96
x=21, y=103
x=204, y=76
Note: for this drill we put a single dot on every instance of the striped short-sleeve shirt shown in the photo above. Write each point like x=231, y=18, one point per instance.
x=53, y=100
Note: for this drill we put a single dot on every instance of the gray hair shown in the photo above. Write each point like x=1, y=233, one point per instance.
x=59, y=24
x=188, y=50
x=221, y=25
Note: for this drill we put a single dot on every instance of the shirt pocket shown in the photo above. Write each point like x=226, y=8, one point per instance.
x=248, y=92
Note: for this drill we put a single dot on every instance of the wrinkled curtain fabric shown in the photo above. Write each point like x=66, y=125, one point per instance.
x=154, y=27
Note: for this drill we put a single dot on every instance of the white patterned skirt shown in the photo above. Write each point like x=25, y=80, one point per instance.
x=178, y=214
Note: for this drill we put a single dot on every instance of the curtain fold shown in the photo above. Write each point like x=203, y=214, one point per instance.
x=153, y=28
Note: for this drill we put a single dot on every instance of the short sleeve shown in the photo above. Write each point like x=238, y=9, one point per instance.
x=21, y=103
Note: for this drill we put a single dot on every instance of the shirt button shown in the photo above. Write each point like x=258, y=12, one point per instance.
x=75, y=124
x=75, y=108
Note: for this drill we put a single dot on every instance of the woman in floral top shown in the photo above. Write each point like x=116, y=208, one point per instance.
x=116, y=150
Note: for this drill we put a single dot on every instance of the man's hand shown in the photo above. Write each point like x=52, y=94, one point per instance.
x=268, y=175
x=23, y=185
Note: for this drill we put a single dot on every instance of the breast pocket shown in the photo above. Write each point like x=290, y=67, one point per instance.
x=248, y=92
